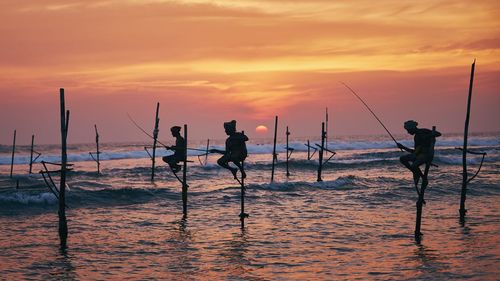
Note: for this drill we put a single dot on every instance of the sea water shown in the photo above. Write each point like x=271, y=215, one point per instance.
x=357, y=224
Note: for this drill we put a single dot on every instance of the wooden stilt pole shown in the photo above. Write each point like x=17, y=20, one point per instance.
x=155, y=139
x=97, y=148
x=287, y=149
x=308, y=150
x=13, y=152
x=184, y=174
x=31, y=152
x=421, y=194
x=465, y=176
x=243, y=215
x=323, y=135
x=206, y=153
x=275, y=158
x=326, y=130
x=63, y=225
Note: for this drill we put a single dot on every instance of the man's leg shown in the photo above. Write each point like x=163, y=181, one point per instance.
x=416, y=170
x=239, y=164
x=224, y=162
x=171, y=160
x=405, y=160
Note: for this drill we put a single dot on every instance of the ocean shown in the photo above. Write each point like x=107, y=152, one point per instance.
x=357, y=224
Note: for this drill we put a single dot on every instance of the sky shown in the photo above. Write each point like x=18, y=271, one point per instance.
x=207, y=62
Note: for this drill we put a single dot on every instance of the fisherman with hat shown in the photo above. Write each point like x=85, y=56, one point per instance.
x=179, y=153
x=236, y=149
x=422, y=153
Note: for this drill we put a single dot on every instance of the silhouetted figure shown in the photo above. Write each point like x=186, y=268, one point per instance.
x=236, y=149
x=422, y=153
x=178, y=156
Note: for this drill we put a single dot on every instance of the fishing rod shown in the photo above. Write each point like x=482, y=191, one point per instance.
x=147, y=134
x=142, y=130
x=371, y=111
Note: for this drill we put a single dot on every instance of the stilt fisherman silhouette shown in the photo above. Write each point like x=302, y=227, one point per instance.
x=422, y=153
x=179, y=155
x=236, y=150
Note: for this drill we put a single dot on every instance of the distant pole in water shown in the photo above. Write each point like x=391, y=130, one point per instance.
x=326, y=130
x=206, y=153
x=31, y=152
x=13, y=152
x=323, y=135
x=184, y=175
x=275, y=157
x=308, y=150
x=287, y=149
x=421, y=193
x=155, y=139
x=97, y=150
x=243, y=215
x=63, y=225
x=465, y=176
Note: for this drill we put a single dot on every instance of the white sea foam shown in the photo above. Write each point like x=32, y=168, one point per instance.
x=337, y=145
x=23, y=198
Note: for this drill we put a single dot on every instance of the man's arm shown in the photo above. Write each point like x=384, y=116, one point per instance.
x=217, y=151
x=400, y=146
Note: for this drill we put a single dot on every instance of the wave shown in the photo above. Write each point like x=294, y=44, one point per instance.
x=121, y=151
x=20, y=197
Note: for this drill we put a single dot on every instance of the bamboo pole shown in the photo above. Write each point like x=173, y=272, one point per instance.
x=13, y=152
x=421, y=194
x=63, y=225
x=31, y=152
x=155, y=139
x=243, y=215
x=206, y=153
x=463, y=196
x=287, y=149
x=326, y=130
x=275, y=158
x=308, y=150
x=323, y=135
x=97, y=148
x=184, y=175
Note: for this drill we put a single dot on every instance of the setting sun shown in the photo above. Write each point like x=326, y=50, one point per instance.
x=261, y=129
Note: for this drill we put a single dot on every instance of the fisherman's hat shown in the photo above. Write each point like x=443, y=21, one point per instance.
x=410, y=124
x=175, y=129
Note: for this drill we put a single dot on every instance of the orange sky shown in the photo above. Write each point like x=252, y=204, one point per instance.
x=207, y=62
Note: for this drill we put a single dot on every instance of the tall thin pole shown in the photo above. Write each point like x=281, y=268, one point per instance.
x=206, y=153
x=184, y=175
x=31, y=152
x=464, y=151
x=308, y=150
x=326, y=129
x=155, y=138
x=287, y=149
x=63, y=225
x=320, y=167
x=13, y=152
x=275, y=158
x=98, y=152
x=421, y=193
x=243, y=215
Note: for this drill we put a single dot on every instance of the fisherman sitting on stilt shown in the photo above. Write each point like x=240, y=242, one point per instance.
x=423, y=152
x=179, y=155
x=236, y=150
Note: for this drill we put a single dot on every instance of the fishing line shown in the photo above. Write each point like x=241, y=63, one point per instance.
x=371, y=111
